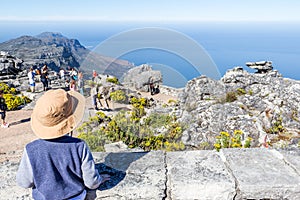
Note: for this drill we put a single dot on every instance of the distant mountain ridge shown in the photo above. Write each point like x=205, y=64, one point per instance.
x=58, y=51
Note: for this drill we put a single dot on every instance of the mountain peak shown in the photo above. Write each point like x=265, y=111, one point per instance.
x=50, y=35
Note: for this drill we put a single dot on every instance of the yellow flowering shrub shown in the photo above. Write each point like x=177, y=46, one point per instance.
x=134, y=132
x=225, y=140
x=12, y=100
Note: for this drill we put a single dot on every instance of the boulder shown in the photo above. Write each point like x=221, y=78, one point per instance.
x=9, y=65
x=141, y=77
x=261, y=66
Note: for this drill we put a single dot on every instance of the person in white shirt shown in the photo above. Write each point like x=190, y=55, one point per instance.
x=62, y=74
x=31, y=77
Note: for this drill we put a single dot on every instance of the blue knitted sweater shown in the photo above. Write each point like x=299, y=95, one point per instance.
x=57, y=169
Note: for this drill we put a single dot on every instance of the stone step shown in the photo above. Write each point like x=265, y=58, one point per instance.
x=230, y=174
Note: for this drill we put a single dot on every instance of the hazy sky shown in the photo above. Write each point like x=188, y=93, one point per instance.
x=150, y=10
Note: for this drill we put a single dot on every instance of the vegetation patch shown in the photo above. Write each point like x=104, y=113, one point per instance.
x=134, y=128
x=241, y=91
x=13, y=98
x=113, y=80
x=277, y=127
x=230, y=97
x=118, y=96
x=294, y=115
x=225, y=140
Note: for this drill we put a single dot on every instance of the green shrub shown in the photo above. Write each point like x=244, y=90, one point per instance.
x=277, y=127
x=225, y=140
x=7, y=90
x=118, y=96
x=157, y=120
x=138, y=110
x=13, y=101
x=113, y=80
x=241, y=91
x=250, y=92
x=231, y=97
x=129, y=128
x=172, y=101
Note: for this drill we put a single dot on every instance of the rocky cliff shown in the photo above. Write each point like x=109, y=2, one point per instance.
x=264, y=105
x=57, y=51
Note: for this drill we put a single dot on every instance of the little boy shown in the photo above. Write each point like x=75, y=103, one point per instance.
x=3, y=108
x=58, y=166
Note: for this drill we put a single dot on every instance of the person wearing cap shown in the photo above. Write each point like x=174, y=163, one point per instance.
x=58, y=166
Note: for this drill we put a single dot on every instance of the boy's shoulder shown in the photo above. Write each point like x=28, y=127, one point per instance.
x=60, y=140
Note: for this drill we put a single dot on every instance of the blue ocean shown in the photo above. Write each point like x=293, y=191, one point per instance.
x=225, y=44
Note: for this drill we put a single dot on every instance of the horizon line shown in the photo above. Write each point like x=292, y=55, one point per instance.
x=87, y=20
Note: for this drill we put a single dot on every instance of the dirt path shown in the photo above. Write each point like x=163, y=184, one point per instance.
x=14, y=138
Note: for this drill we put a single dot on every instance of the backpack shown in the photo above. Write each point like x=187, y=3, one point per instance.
x=74, y=77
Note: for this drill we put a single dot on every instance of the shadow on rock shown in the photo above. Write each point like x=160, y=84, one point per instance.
x=116, y=176
x=116, y=165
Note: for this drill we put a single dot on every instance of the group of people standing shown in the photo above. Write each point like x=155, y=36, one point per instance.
x=43, y=76
x=74, y=81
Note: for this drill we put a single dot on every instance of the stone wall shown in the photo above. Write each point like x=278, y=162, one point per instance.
x=229, y=174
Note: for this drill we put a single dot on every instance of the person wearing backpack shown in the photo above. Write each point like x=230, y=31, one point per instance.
x=3, y=108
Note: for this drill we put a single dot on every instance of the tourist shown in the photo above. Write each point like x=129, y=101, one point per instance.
x=94, y=75
x=44, y=77
x=151, y=86
x=94, y=95
x=31, y=76
x=58, y=166
x=73, y=85
x=106, y=95
x=62, y=74
x=3, y=108
x=80, y=83
x=73, y=74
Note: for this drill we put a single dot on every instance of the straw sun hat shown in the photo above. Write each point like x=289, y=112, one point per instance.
x=57, y=113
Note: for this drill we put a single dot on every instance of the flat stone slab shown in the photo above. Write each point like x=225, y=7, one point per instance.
x=292, y=157
x=263, y=174
x=240, y=174
x=137, y=175
x=8, y=188
x=198, y=175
